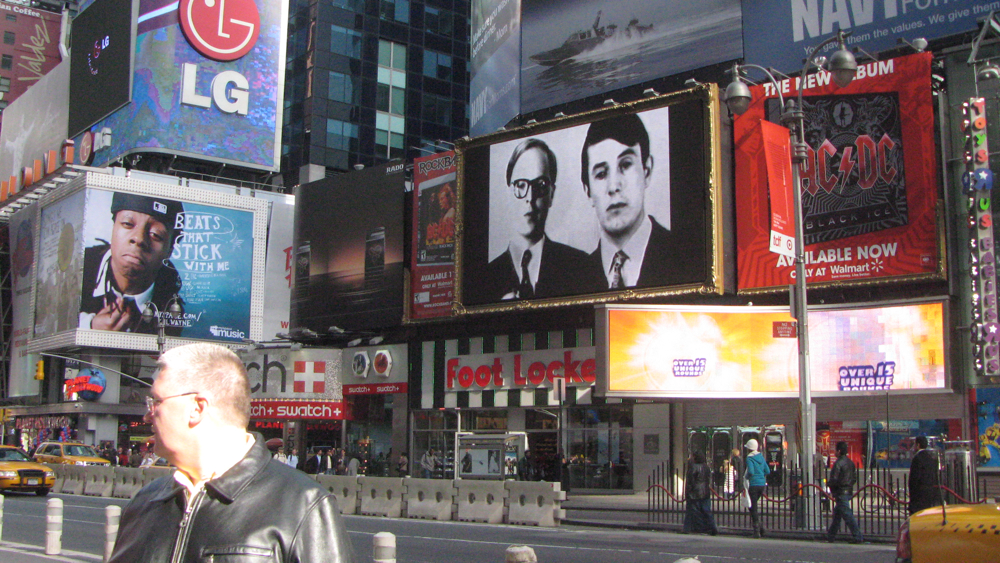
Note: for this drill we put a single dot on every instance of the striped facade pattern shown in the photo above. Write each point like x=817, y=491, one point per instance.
x=429, y=357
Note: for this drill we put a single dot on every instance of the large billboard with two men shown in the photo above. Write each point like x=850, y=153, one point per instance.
x=604, y=202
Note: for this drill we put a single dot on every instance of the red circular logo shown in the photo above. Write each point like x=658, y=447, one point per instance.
x=222, y=30
x=86, y=148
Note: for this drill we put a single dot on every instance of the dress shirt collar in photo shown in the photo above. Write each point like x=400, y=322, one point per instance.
x=635, y=249
x=534, y=266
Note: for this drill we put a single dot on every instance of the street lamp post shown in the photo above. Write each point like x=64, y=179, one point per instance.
x=843, y=67
x=150, y=312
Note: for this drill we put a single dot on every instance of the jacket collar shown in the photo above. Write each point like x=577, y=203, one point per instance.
x=232, y=482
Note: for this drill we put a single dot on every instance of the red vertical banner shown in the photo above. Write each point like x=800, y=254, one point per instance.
x=869, y=183
x=778, y=156
x=432, y=283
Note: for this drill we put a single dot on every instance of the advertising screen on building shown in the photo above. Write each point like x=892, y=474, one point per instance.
x=869, y=186
x=208, y=83
x=349, y=251
x=35, y=124
x=21, y=381
x=752, y=351
x=432, y=283
x=101, y=61
x=606, y=201
x=572, y=50
x=495, y=92
x=781, y=32
x=107, y=257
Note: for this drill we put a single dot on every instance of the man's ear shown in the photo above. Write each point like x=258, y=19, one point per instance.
x=586, y=189
x=199, y=412
x=647, y=166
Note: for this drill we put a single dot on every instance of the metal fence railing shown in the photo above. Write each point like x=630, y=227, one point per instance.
x=880, y=500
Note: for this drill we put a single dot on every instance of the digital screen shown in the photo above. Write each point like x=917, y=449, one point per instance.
x=100, y=62
x=747, y=351
x=349, y=251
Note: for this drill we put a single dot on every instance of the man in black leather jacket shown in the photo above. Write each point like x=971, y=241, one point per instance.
x=228, y=499
x=843, y=476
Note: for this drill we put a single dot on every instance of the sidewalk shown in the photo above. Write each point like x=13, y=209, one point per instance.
x=11, y=552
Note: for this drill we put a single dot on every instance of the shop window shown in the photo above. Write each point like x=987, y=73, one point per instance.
x=535, y=419
x=484, y=420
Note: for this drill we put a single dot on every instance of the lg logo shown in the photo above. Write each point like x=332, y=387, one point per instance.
x=222, y=30
x=219, y=31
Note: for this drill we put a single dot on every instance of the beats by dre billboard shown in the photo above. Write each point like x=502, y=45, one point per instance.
x=208, y=82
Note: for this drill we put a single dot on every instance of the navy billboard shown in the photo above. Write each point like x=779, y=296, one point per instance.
x=784, y=31
x=572, y=50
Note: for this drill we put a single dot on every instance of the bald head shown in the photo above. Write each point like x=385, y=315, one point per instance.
x=214, y=372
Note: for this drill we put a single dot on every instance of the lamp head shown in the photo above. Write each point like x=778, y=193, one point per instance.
x=148, y=312
x=738, y=96
x=174, y=308
x=843, y=66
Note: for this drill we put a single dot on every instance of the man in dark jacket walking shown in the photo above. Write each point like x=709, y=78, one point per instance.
x=228, y=497
x=698, y=517
x=843, y=476
x=923, y=480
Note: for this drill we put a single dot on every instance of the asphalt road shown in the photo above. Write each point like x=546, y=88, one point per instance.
x=422, y=541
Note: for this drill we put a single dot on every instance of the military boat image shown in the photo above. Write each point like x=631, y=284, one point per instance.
x=587, y=39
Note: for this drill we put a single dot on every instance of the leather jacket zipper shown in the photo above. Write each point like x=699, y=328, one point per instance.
x=184, y=531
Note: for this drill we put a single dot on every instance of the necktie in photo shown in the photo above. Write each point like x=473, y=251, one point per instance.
x=132, y=308
x=617, y=281
x=525, y=291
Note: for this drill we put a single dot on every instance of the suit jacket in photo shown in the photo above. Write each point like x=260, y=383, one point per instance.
x=564, y=270
x=669, y=260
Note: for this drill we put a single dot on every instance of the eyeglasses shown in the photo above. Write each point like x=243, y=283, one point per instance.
x=152, y=403
x=540, y=187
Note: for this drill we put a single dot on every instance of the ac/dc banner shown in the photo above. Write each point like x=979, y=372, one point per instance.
x=869, y=184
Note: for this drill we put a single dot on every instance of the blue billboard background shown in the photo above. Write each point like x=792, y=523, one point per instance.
x=780, y=33
x=213, y=257
x=156, y=120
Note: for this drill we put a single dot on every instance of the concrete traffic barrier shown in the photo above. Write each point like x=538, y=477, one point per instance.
x=481, y=501
x=384, y=547
x=150, y=474
x=112, y=517
x=345, y=488
x=53, y=526
x=100, y=480
x=382, y=496
x=128, y=481
x=520, y=554
x=535, y=503
x=433, y=499
x=74, y=480
x=60, y=472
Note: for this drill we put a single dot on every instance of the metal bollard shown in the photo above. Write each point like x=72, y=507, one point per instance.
x=384, y=544
x=520, y=554
x=112, y=514
x=53, y=526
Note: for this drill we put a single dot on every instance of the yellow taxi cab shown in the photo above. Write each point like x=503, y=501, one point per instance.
x=18, y=473
x=68, y=453
x=937, y=535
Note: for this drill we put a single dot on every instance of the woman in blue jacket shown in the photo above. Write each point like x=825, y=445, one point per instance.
x=756, y=475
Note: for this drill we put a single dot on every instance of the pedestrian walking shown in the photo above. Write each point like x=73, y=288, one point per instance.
x=755, y=479
x=924, y=479
x=843, y=476
x=228, y=499
x=403, y=465
x=293, y=458
x=428, y=463
x=697, y=493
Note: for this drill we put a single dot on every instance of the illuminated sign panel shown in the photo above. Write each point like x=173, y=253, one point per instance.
x=748, y=351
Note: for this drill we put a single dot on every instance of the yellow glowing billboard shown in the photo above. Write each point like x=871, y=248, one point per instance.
x=688, y=351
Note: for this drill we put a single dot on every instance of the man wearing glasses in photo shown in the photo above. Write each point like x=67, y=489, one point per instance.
x=535, y=266
x=228, y=497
